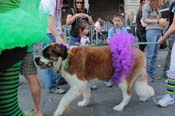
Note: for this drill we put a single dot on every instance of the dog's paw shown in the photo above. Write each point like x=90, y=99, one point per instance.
x=57, y=114
x=118, y=108
x=82, y=103
x=143, y=99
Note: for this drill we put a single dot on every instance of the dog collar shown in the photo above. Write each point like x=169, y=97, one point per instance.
x=66, y=66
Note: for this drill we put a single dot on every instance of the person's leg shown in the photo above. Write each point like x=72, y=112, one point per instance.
x=47, y=79
x=168, y=57
x=169, y=97
x=157, y=34
x=141, y=38
x=150, y=50
x=28, y=69
x=36, y=93
x=50, y=78
x=9, y=80
x=108, y=83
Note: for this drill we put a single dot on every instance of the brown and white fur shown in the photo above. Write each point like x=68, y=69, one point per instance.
x=90, y=63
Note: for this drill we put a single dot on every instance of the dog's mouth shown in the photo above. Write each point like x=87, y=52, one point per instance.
x=43, y=65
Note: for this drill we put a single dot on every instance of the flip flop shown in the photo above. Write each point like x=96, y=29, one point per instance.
x=29, y=113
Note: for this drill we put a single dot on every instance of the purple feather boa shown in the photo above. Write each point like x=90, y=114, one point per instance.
x=123, y=55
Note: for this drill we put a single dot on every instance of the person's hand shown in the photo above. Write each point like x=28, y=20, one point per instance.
x=86, y=15
x=59, y=40
x=163, y=21
x=161, y=40
x=82, y=15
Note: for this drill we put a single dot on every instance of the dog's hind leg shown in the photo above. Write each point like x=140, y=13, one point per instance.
x=126, y=96
x=72, y=94
x=86, y=91
x=143, y=90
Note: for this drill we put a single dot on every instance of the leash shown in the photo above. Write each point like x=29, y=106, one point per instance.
x=145, y=43
x=136, y=44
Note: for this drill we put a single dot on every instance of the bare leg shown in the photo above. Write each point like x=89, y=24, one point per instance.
x=126, y=97
x=36, y=93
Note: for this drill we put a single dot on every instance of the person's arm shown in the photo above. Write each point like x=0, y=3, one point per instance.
x=53, y=29
x=98, y=26
x=168, y=32
x=90, y=20
x=89, y=17
x=70, y=19
x=145, y=14
x=52, y=20
x=145, y=18
x=110, y=34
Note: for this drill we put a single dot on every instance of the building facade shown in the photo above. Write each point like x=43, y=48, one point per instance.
x=105, y=8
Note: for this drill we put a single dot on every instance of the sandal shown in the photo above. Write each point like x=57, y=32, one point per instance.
x=29, y=113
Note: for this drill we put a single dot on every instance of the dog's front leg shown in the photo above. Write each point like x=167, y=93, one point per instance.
x=66, y=100
x=86, y=91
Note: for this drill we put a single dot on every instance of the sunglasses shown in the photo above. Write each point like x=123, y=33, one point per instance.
x=79, y=2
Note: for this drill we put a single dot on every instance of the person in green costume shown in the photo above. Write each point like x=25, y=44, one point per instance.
x=22, y=25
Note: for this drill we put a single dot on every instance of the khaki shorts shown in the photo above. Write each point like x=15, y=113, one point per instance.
x=28, y=66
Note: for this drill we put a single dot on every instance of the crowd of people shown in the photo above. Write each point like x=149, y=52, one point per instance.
x=149, y=28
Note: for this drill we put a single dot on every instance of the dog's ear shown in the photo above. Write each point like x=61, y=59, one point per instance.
x=47, y=52
x=61, y=50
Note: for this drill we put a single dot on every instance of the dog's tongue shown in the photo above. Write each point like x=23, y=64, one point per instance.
x=49, y=64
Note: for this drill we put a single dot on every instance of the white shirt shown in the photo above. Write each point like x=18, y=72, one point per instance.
x=49, y=6
x=84, y=41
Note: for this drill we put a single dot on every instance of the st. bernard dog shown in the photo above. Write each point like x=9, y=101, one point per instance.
x=79, y=65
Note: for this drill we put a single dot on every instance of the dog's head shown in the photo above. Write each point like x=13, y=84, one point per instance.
x=52, y=55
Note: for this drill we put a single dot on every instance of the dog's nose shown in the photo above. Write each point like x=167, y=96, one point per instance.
x=37, y=60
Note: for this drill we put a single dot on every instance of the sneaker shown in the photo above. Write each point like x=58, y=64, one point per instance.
x=166, y=81
x=108, y=83
x=93, y=87
x=57, y=91
x=150, y=80
x=165, y=74
x=166, y=100
x=156, y=78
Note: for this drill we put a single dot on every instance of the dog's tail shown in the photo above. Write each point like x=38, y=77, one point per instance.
x=143, y=90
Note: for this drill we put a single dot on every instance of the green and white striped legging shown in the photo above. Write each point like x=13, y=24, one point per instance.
x=9, y=80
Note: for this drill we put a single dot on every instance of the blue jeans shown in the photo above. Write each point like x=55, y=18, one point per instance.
x=152, y=51
x=74, y=41
x=51, y=77
x=52, y=38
